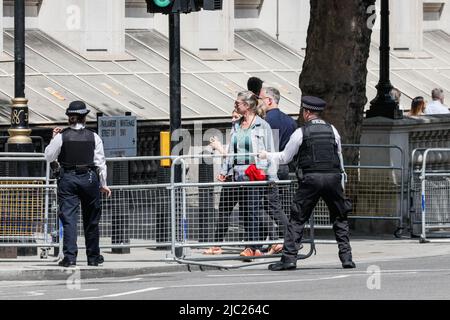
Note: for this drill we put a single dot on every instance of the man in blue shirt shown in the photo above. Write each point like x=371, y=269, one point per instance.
x=282, y=127
x=277, y=119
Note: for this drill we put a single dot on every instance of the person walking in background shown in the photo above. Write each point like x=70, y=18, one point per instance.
x=80, y=154
x=282, y=128
x=320, y=165
x=396, y=95
x=255, y=84
x=226, y=195
x=251, y=134
x=437, y=105
x=417, y=107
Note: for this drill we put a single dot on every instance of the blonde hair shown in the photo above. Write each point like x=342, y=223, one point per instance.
x=250, y=99
x=260, y=111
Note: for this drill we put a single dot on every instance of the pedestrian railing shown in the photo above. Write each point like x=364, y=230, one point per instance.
x=28, y=210
x=430, y=193
x=136, y=215
x=377, y=191
x=186, y=216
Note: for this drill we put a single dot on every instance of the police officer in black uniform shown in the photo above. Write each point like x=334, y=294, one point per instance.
x=320, y=167
x=80, y=154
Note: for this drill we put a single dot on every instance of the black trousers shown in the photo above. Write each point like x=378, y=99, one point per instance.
x=274, y=204
x=311, y=188
x=74, y=188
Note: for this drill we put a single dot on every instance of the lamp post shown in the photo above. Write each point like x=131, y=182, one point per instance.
x=19, y=133
x=175, y=90
x=383, y=105
x=19, y=140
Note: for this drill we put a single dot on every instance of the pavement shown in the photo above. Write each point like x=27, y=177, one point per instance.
x=150, y=260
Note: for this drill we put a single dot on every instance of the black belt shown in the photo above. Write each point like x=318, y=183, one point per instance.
x=78, y=169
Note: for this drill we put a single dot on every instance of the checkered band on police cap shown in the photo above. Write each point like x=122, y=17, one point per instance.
x=313, y=103
x=77, y=107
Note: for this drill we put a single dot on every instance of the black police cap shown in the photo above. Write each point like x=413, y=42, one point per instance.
x=313, y=103
x=77, y=107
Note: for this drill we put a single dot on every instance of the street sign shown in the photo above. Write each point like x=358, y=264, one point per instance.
x=119, y=135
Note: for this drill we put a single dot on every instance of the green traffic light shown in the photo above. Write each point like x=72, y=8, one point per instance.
x=162, y=3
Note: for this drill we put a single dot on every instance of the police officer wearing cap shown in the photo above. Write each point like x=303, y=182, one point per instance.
x=80, y=154
x=320, y=163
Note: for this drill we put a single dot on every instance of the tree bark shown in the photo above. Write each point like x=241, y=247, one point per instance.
x=334, y=69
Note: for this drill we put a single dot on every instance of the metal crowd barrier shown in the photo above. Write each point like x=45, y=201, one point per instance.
x=28, y=211
x=430, y=193
x=136, y=215
x=377, y=191
x=184, y=216
x=204, y=215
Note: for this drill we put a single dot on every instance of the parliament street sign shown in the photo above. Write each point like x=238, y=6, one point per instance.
x=119, y=135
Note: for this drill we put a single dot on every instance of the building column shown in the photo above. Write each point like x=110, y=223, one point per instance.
x=1, y=27
x=406, y=22
x=207, y=34
x=94, y=29
x=445, y=17
x=285, y=20
x=3, y=56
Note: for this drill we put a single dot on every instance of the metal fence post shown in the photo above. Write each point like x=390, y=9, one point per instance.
x=162, y=208
x=206, y=200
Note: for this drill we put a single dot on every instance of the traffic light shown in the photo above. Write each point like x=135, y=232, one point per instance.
x=183, y=6
x=160, y=6
x=173, y=6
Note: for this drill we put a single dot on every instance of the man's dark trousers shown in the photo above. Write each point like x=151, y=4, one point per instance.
x=311, y=188
x=274, y=200
x=74, y=188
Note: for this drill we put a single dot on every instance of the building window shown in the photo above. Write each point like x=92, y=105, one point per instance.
x=248, y=4
x=432, y=11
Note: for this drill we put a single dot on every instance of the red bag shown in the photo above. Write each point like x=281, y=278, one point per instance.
x=255, y=174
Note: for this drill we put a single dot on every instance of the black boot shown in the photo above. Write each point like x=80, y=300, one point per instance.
x=66, y=263
x=348, y=264
x=280, y=266
x=95, y=262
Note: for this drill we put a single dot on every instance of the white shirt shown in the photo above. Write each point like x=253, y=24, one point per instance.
x=436, y=107
x=54, y=148
x=294, y=144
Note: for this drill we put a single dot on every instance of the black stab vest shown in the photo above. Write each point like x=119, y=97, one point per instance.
x=318, y=152
x=77, y=148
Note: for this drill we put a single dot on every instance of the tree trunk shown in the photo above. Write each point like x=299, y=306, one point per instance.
x=335, y=69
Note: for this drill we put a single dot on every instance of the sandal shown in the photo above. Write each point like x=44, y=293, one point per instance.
x=276, y=248
x=213, y=250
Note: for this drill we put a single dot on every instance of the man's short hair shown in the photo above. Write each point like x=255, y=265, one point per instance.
x=437, y=94
x=274, y=93
x=395, y=95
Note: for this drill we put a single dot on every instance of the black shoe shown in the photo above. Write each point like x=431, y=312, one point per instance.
x=96, y=262
x=280, y=266
x=66, y=263
x=349, y=264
